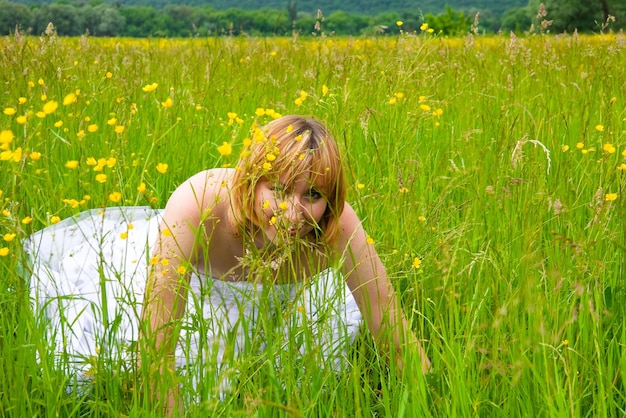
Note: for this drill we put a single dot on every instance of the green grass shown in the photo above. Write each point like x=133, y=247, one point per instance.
x=520, y=294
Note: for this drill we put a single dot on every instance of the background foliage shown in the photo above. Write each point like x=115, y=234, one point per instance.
x=150, y=18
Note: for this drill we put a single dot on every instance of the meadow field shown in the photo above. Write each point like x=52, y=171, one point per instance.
x=489, y=172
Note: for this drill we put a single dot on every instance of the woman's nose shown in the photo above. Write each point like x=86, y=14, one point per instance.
x=294, y=212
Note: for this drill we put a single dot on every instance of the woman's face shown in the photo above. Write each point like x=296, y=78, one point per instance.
x=289, y=211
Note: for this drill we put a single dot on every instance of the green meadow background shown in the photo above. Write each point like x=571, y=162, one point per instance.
x=499, y=163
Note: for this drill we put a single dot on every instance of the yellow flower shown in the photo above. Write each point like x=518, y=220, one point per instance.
x=438, y=112
x=50, y=107
x=565, y=148
x=4, y=251
x=58, y=124
x=10, y=111
x=299, y=101
x=266, y=204
x=162, y=168
x=115, y=197
x=267, y=166
x=109, y=74
x=17, y=155
x=141, y=188
x=6, y=155
x=150, y=87
x=324, y=90
x=283, y=206
x=124, y=235
x=92, y=128
x=72, y=164
x=80, y=133
x=35, y=156
x=622, y=167
x=270, y=157
x=425, y=107
x=21, y=100
x=8, y=237
x=399, y=23
x=599, y=128
x=393, y=101
x=71, y=202
x=69, y=99
x=112, y=121
x=417, y=263
x=424, y=26
x=258, y=135
x=111, y=161
x=273, y=220
x=181, y=269
x=369, y=240
x=6, y=137
x=360, y=186
x=225, y=149
x=259, y=111
x=403, y=190
x=609, y=197
x=609, y=148
x=55, y=219
x=272, y=113
x=101, y=178
x=27, y=220
x=167, y=103
x=580, y=145
x=421, y=218
x=21, y=120
x=119, y=129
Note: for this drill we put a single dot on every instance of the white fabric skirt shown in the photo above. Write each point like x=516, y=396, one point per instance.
x=88, y=279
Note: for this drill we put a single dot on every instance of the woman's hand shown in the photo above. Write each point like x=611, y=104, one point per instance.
x=367, y=278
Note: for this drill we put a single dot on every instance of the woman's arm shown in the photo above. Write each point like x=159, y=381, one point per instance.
x=367, y=279
x=168, y=279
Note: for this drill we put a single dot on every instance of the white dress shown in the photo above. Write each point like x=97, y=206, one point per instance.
x=88, y=279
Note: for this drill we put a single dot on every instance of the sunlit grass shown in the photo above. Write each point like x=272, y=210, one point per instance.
x=496, y=162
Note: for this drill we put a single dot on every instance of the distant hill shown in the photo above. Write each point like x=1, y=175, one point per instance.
x=367, y=7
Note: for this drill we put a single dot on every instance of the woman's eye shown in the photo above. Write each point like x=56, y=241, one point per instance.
x=314, y=194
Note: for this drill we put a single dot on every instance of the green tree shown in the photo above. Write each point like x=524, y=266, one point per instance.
x=342, y=23
x=103, y=20
x=450, y=22
x=516, y=20
x=141, y=21
x=580, y=15
x=66, y=19
x=14, y=15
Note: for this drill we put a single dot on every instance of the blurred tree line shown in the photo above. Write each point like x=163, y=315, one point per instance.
x=104, y=19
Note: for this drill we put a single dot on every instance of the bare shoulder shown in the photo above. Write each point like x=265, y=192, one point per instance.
x=198, y=194
x=349, y=220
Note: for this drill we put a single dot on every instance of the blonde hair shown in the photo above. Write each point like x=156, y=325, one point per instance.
x=286, y=148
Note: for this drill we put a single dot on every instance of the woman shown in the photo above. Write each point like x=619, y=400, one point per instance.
x=278, y=220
